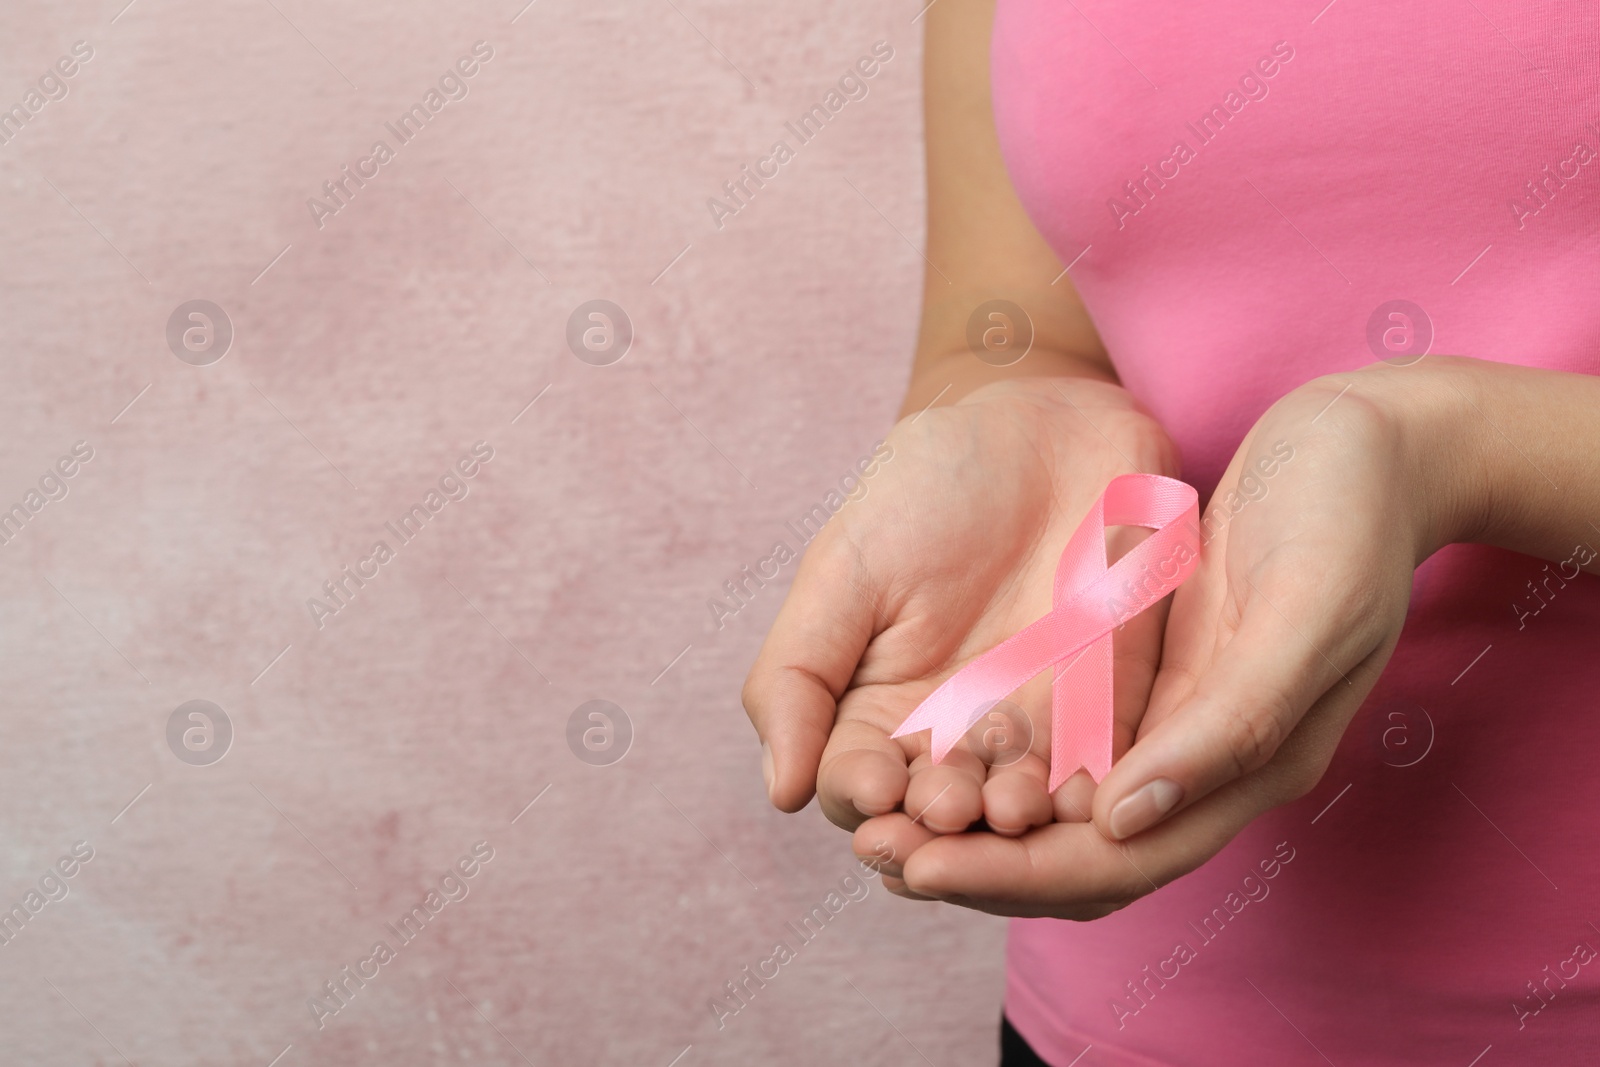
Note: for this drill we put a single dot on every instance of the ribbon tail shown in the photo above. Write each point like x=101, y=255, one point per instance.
x=944, y=719
x=1082, y=719
x=962, y=700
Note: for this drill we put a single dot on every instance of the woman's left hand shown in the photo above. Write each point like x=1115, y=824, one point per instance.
x=1310, y=542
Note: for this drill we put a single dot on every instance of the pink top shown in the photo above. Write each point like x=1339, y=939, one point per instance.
x=1239, y=188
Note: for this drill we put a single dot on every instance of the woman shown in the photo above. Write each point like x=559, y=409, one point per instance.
x=1359, y=745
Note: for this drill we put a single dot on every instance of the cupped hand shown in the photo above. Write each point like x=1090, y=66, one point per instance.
x=952, y=550
x=1270, y=647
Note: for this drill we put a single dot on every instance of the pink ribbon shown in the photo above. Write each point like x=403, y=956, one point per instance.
x=1090, y=601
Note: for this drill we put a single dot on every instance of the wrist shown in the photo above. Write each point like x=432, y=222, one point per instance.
x=945, y=379
x=1448, y=468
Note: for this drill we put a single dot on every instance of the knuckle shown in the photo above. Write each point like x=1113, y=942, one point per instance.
x=1300, y=774
x=1360, y=414
x=1300, y=781
x=1252, y=730
x=1122, y=897
x=753, y=695
x=844, y=817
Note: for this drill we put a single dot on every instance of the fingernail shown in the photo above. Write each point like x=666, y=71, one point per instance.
x=1144, y=807
x=768, y=774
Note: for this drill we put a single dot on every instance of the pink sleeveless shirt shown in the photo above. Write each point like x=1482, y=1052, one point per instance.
x=1249, y=195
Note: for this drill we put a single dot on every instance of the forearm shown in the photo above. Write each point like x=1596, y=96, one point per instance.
x=1541, y=461
x=982, y=247
x=1505, y=455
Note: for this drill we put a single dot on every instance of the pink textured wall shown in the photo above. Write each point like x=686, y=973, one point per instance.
x=371, y=754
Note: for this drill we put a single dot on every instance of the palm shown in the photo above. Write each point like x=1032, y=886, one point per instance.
x=952, y=550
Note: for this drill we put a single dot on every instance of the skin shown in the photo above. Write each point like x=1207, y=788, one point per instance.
x=1234, y=701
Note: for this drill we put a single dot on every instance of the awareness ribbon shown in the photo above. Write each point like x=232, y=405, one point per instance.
x=1090, y=600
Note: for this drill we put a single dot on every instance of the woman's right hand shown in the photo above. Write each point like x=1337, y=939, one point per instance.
x=952, y=550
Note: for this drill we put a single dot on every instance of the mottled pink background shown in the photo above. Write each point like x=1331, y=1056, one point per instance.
x=374, y=752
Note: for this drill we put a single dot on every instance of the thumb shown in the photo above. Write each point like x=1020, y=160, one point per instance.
x=1244, y=704
x=804, y=667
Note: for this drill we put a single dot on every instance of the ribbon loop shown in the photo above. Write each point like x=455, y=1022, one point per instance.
x=1090, y=600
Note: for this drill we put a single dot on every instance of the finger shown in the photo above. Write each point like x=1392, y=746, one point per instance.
x=1016, y=797
x=897, y=886
x=1249, y=699
x=884, y=843
x=1072, y=870
x=1074, y=801
x=946, y=797
x=863, y=772
x=804, y=666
